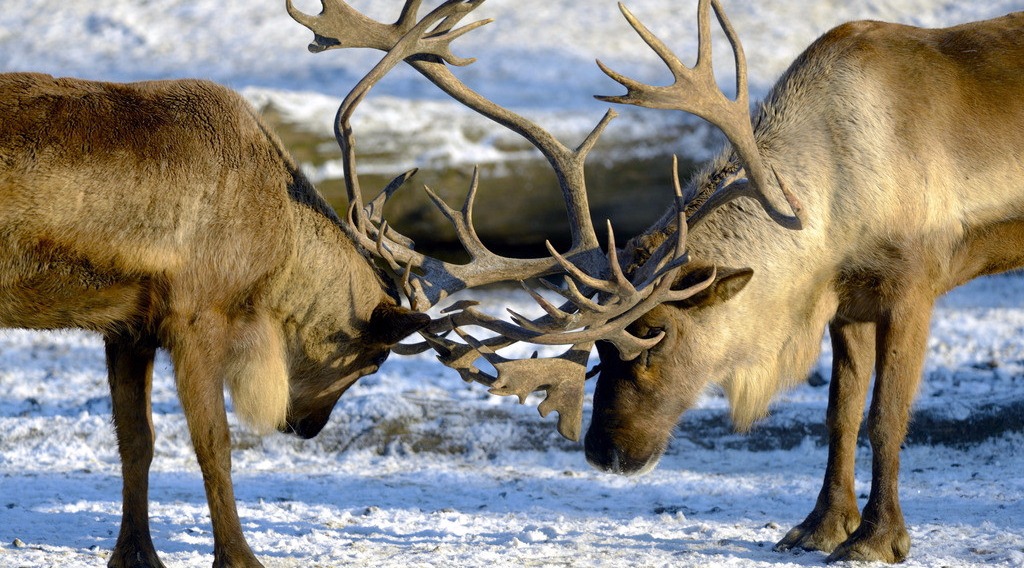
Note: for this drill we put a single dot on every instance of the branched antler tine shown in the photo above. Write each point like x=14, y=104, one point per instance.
x=460, y=306
x=735, y=190
x=574, y=296
x=350, y=215
x=406, y=285
x=463, y=227
x=591, y=140
x=739, y=58
x=630, y=346
x=680, y=205
x=411, y=348
x=664, y=271
x=407, y=19
x=548, y=307
x=659, y=47
x=375, y=209
x=575, y=272
x=442, y=206
x=383, y=251
x=704, y=37
x=445, y=52
x=486, y=352
x=401, y=241
x=525, y=323
x=468, y=236
x=794, y=202
x=631, y=85
x=621, y=282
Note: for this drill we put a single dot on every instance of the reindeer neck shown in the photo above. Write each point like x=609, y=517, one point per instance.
x=329, y=288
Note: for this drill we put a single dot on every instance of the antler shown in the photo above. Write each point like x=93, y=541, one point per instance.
x=425, y=45
x=695, y=91
x=427, y=50
x=563, y=376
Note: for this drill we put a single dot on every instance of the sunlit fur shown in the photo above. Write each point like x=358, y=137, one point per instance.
x=257, y=376
x=905, y=147
x=165, y=214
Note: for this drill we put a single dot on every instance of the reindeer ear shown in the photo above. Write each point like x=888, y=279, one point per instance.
x=390, y=324
x=728, y=282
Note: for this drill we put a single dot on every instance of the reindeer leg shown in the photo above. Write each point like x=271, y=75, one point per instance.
x=902, y=340
x=836, y=515
x=130, y=373
x=198, y=351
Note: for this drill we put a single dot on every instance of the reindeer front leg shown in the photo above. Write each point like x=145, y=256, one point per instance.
x=836, y=514
x=199, y=354
x=130, y=373
x=902, y=339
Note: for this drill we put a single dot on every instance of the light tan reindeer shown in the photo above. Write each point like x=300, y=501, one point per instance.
x=896, y=150
x=906, y=146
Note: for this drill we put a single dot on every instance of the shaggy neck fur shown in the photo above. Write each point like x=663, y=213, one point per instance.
x=767, y=337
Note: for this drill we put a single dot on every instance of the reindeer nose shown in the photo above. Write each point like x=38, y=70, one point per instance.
x=602, y=454
x=304, y=428
x=605, y=455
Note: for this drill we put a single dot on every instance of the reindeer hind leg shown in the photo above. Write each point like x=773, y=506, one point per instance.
x=130, y=374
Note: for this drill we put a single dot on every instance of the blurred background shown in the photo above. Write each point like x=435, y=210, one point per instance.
x=537, y=59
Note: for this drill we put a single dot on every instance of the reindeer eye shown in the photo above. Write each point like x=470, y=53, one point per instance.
x=653, y=332
x=379, y=359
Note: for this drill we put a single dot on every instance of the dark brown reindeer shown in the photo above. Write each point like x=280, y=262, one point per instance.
x=165, y=215
x=905, y=146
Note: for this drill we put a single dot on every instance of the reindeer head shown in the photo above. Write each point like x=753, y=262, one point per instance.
x=639, y=399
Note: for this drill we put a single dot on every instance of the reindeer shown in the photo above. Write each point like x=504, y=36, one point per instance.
x=165, y=215
x=900, y=152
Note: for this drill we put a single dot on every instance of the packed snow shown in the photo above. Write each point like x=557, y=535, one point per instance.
x=417, y=468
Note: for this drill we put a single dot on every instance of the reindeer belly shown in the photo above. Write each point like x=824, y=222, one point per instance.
x=47, y=286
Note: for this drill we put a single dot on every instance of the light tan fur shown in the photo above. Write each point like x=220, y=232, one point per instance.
x=165, y=214
x=257, y=374
x=905, y=146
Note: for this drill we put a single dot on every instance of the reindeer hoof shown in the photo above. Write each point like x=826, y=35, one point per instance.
x=134, y=559
x=824, y=532
x=239, y=559
x=890, y=546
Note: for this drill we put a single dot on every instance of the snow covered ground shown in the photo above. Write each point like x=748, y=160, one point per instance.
x=417, y=468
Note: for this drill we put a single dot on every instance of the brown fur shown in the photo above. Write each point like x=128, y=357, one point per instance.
x=905, y=146
x=164, y=214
